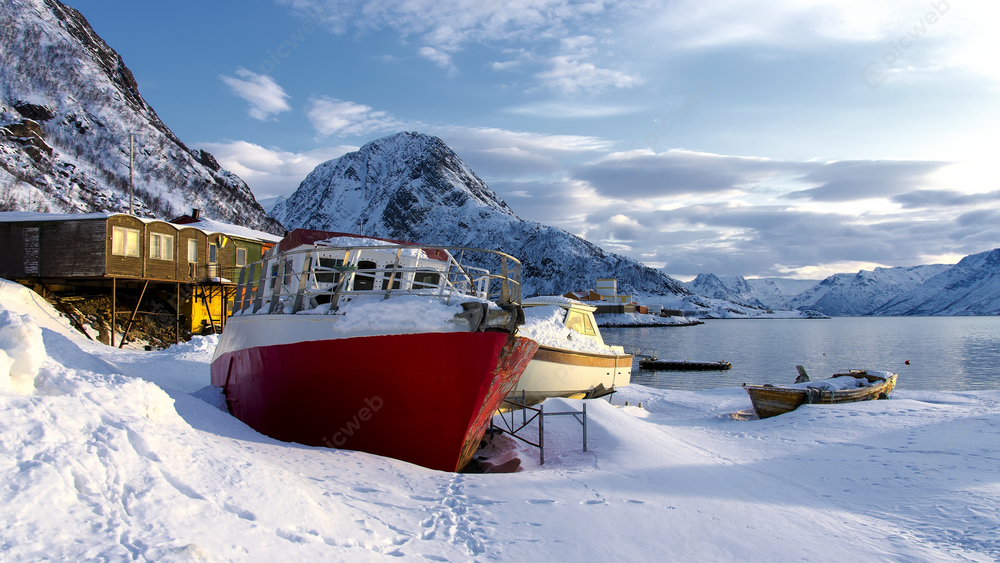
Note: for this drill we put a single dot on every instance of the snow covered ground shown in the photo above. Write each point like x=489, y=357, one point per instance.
x=121, y=456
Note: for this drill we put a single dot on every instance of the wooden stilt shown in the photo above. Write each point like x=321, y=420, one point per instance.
x=128, y=325
x=114, y=290
x=177, y=315
x=208, y=310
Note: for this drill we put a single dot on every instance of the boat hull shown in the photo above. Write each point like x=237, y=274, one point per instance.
x=772, y=401
x=424, y=398
x=553, y=372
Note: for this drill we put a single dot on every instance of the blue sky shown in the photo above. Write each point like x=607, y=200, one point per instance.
x=776, y=138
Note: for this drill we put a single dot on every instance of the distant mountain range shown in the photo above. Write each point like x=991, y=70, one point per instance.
x=971, y=287
x=67, y=106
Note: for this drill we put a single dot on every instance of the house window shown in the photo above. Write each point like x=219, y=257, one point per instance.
x=241, y=257
x=192, y=250
x=124, y=242
x=213, y=253
x=161, y=247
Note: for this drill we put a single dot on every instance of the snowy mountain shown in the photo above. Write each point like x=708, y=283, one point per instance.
x=761, y=293
x=67, y=106
x=971, y=287
x=411, y=186
x=847, y=295
x=734, y=289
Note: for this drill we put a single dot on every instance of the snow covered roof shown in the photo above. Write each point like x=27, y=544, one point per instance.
x=208, y=226
x=211, y=226
x=558, y=301
x=20, y=216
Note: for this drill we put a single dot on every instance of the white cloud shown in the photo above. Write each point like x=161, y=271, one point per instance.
x=962, y=34
x=568, y=76
x=330, y=116
x=271, y=171
x=447, y=26
x=562, y=109
x=504, y=65
x=440, y=58
x=265, y=96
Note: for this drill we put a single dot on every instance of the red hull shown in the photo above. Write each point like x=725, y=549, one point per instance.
x=422, y=398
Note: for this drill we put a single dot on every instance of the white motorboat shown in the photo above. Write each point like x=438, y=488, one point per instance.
x=572, y=359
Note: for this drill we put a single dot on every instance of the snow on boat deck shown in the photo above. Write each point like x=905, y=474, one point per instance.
x=114, y=458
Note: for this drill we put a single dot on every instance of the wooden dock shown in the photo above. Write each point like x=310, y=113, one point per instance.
x=683, y=365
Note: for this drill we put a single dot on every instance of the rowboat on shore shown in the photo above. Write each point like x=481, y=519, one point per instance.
x=856, y=385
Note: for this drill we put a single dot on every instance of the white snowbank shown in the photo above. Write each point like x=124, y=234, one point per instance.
x=403, y=314
x=545, y=325
x=21, y=352
x=99, y=464
x=639, y=319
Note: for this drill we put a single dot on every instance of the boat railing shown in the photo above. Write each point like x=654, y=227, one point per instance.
x=308, y=277
x=640, y=352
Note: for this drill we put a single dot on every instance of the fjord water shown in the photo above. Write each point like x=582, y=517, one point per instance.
x=945, y=353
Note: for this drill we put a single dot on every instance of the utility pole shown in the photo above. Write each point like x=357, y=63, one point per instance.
x=131, y=150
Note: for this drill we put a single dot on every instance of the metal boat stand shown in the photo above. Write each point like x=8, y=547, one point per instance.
x=540, y=414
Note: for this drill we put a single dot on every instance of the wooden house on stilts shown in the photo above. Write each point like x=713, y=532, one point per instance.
x=192, y=259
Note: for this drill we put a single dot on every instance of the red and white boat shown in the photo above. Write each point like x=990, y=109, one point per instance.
x=367, y=344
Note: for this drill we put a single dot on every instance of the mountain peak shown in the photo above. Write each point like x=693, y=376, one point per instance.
x=412, y=186
x=80, y=104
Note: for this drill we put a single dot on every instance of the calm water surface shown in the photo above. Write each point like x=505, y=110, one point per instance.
x=945, y=353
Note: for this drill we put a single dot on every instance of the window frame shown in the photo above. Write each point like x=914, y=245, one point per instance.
x=123, y=238
x=243, y=262
x=156, y=251
x=192, y=259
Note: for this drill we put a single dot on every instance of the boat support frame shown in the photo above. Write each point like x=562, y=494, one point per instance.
x=540, y=414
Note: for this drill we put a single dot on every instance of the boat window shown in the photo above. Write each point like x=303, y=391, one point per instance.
x=365, y=281
x=387, y=275
x=328, y=277
x=425, y=280
x=579, y=322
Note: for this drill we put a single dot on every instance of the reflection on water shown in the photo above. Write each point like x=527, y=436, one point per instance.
x=946, y=353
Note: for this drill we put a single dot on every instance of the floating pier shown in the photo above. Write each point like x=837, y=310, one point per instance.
x=683, y=365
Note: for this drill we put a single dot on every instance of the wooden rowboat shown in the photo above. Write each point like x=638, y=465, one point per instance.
x=769, y=400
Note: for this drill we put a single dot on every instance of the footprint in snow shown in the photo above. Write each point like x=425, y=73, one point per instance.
x=540, y=501
x=633, y=501
x=593, y=502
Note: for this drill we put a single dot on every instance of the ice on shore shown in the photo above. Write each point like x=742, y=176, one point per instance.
x=119, y=456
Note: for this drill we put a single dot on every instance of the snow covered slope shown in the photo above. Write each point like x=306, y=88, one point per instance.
x=734, y=289
x=759, y=293
x=106, y=456
x=67, y=106
x=971, y=287
x=411, y=186
x=848, y=295
x=775, y=293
